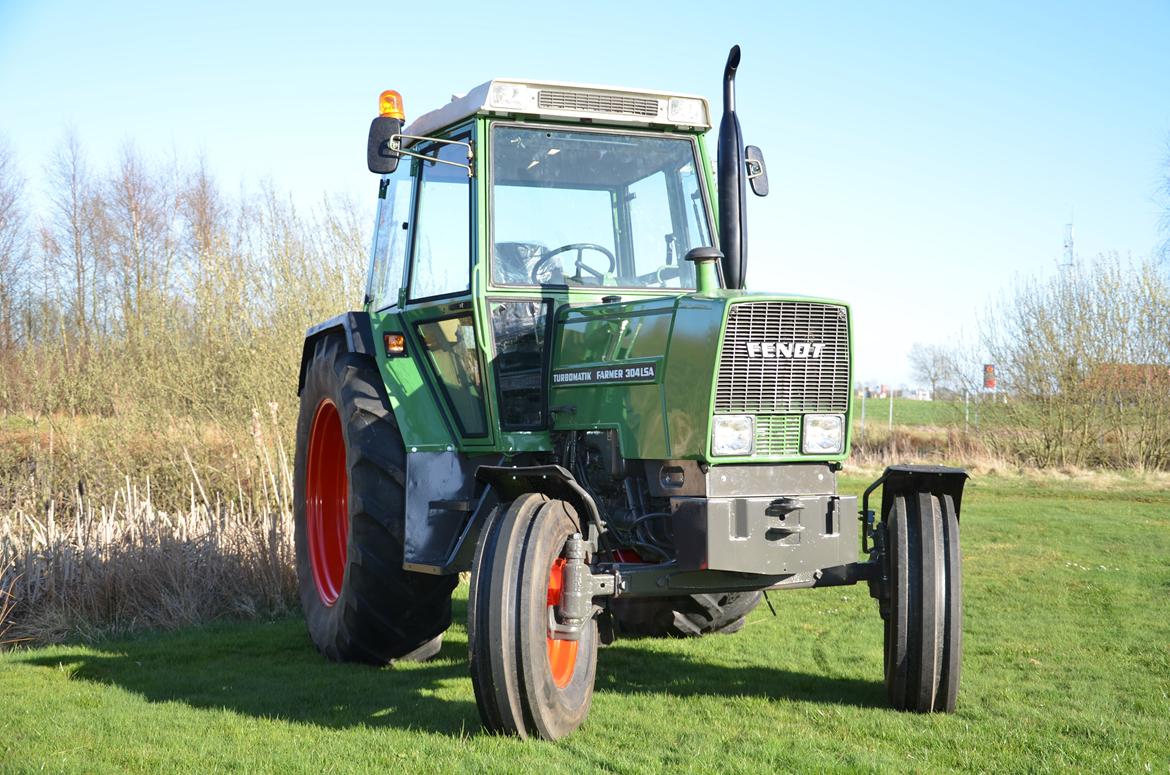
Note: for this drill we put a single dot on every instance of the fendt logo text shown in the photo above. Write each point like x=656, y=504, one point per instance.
x=784, y=349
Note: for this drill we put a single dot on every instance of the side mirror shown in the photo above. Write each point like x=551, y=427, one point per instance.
x=380, y=157
x=757, y=173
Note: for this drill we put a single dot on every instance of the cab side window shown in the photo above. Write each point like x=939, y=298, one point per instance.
x=442, y=248
x=391, y=238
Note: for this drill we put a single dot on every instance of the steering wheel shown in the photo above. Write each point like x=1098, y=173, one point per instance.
x=579, y=264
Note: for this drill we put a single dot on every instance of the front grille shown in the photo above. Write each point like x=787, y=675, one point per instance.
x=770, y=362
x=597, y=103
x=777, y=435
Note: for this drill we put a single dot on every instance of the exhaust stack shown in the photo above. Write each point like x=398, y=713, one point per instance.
x=732, y=192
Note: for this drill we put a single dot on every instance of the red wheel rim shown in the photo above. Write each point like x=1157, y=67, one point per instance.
x=562, y=654
x=327, y=502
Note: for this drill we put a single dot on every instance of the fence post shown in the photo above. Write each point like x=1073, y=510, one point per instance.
x=891, y=411
x=862, y=434
x=966, y=410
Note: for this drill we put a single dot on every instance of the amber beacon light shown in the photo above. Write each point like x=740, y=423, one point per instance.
x=390, y=105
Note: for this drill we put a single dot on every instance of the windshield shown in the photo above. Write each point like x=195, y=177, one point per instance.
x=578, y=208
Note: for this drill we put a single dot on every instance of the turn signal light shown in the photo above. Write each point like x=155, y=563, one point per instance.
x=390, y=105
x=395, y=344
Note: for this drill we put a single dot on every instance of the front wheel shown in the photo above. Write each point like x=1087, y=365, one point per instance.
x=527, y=683
x=924, y=615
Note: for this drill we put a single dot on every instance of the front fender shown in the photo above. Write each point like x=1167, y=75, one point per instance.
x=904, y=479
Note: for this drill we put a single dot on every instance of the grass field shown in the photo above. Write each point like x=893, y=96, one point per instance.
x=909, y=412
x=1067, y=667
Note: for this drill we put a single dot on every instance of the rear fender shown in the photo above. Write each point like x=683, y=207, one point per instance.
x=354, y=326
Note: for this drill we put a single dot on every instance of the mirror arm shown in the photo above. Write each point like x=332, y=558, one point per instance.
x=396, y=146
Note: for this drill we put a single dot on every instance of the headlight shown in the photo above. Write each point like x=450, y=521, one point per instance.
x=684, y=110
x=732, y=434
x=824, y=434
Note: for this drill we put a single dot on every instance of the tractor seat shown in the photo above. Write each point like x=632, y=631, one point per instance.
x=514, y=262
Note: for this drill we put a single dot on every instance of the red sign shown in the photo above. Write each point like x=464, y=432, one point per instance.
x=988, y=376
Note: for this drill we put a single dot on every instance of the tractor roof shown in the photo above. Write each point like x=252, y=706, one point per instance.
x=553, y=99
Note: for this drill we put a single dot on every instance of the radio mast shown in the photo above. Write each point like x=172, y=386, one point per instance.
x=1069, y=254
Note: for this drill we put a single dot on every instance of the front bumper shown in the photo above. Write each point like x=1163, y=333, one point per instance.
x=769, y=535
x=767, y=519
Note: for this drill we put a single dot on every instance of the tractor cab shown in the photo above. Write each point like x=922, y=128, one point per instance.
x=511, y=202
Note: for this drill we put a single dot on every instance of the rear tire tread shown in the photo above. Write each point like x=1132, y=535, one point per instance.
x=684, y=616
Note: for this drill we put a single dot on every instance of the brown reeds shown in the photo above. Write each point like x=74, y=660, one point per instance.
x=144, y=314
x=880, y=447
x=7, y=603
x=91, y=565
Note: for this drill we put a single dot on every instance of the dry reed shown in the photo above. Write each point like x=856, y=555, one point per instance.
x=88, y=565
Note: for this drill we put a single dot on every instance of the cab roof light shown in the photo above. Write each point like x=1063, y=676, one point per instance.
x=390, y=105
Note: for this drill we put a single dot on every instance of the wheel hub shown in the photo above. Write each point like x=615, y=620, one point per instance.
x=562, y=654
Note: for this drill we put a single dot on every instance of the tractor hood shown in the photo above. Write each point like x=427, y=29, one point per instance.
x=650, y=369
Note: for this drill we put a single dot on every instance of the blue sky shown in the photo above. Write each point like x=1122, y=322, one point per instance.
x=922, y=155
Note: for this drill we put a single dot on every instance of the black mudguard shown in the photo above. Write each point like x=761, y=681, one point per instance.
x=904, y=479
x=551, y=480
x=449, y=542
x=355, y=326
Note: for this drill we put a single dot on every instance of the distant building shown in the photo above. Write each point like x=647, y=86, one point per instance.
x=877, y=391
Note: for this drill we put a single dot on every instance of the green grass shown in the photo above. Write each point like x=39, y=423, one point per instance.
x=1067, y=667
x=909, y=412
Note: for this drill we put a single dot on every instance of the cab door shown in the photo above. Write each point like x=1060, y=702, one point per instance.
x=439, y=314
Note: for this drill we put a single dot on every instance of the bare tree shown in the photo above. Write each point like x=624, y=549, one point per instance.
x=203, y=296
x=64, y=238
x=1164, y=192
x=140, y=212
x=70, y=262
x=14, y=249
x=1086, y=357
x=203, y=213
x=932, y=364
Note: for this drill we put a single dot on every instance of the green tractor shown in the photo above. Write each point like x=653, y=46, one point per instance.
x=558, y=382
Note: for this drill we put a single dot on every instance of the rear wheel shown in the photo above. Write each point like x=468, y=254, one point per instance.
x=349, y=508
x=684, y=615
x=924, y=615
x=526, y=682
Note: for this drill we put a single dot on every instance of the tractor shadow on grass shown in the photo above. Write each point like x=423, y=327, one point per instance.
x=271, y=671
x=626, y=669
